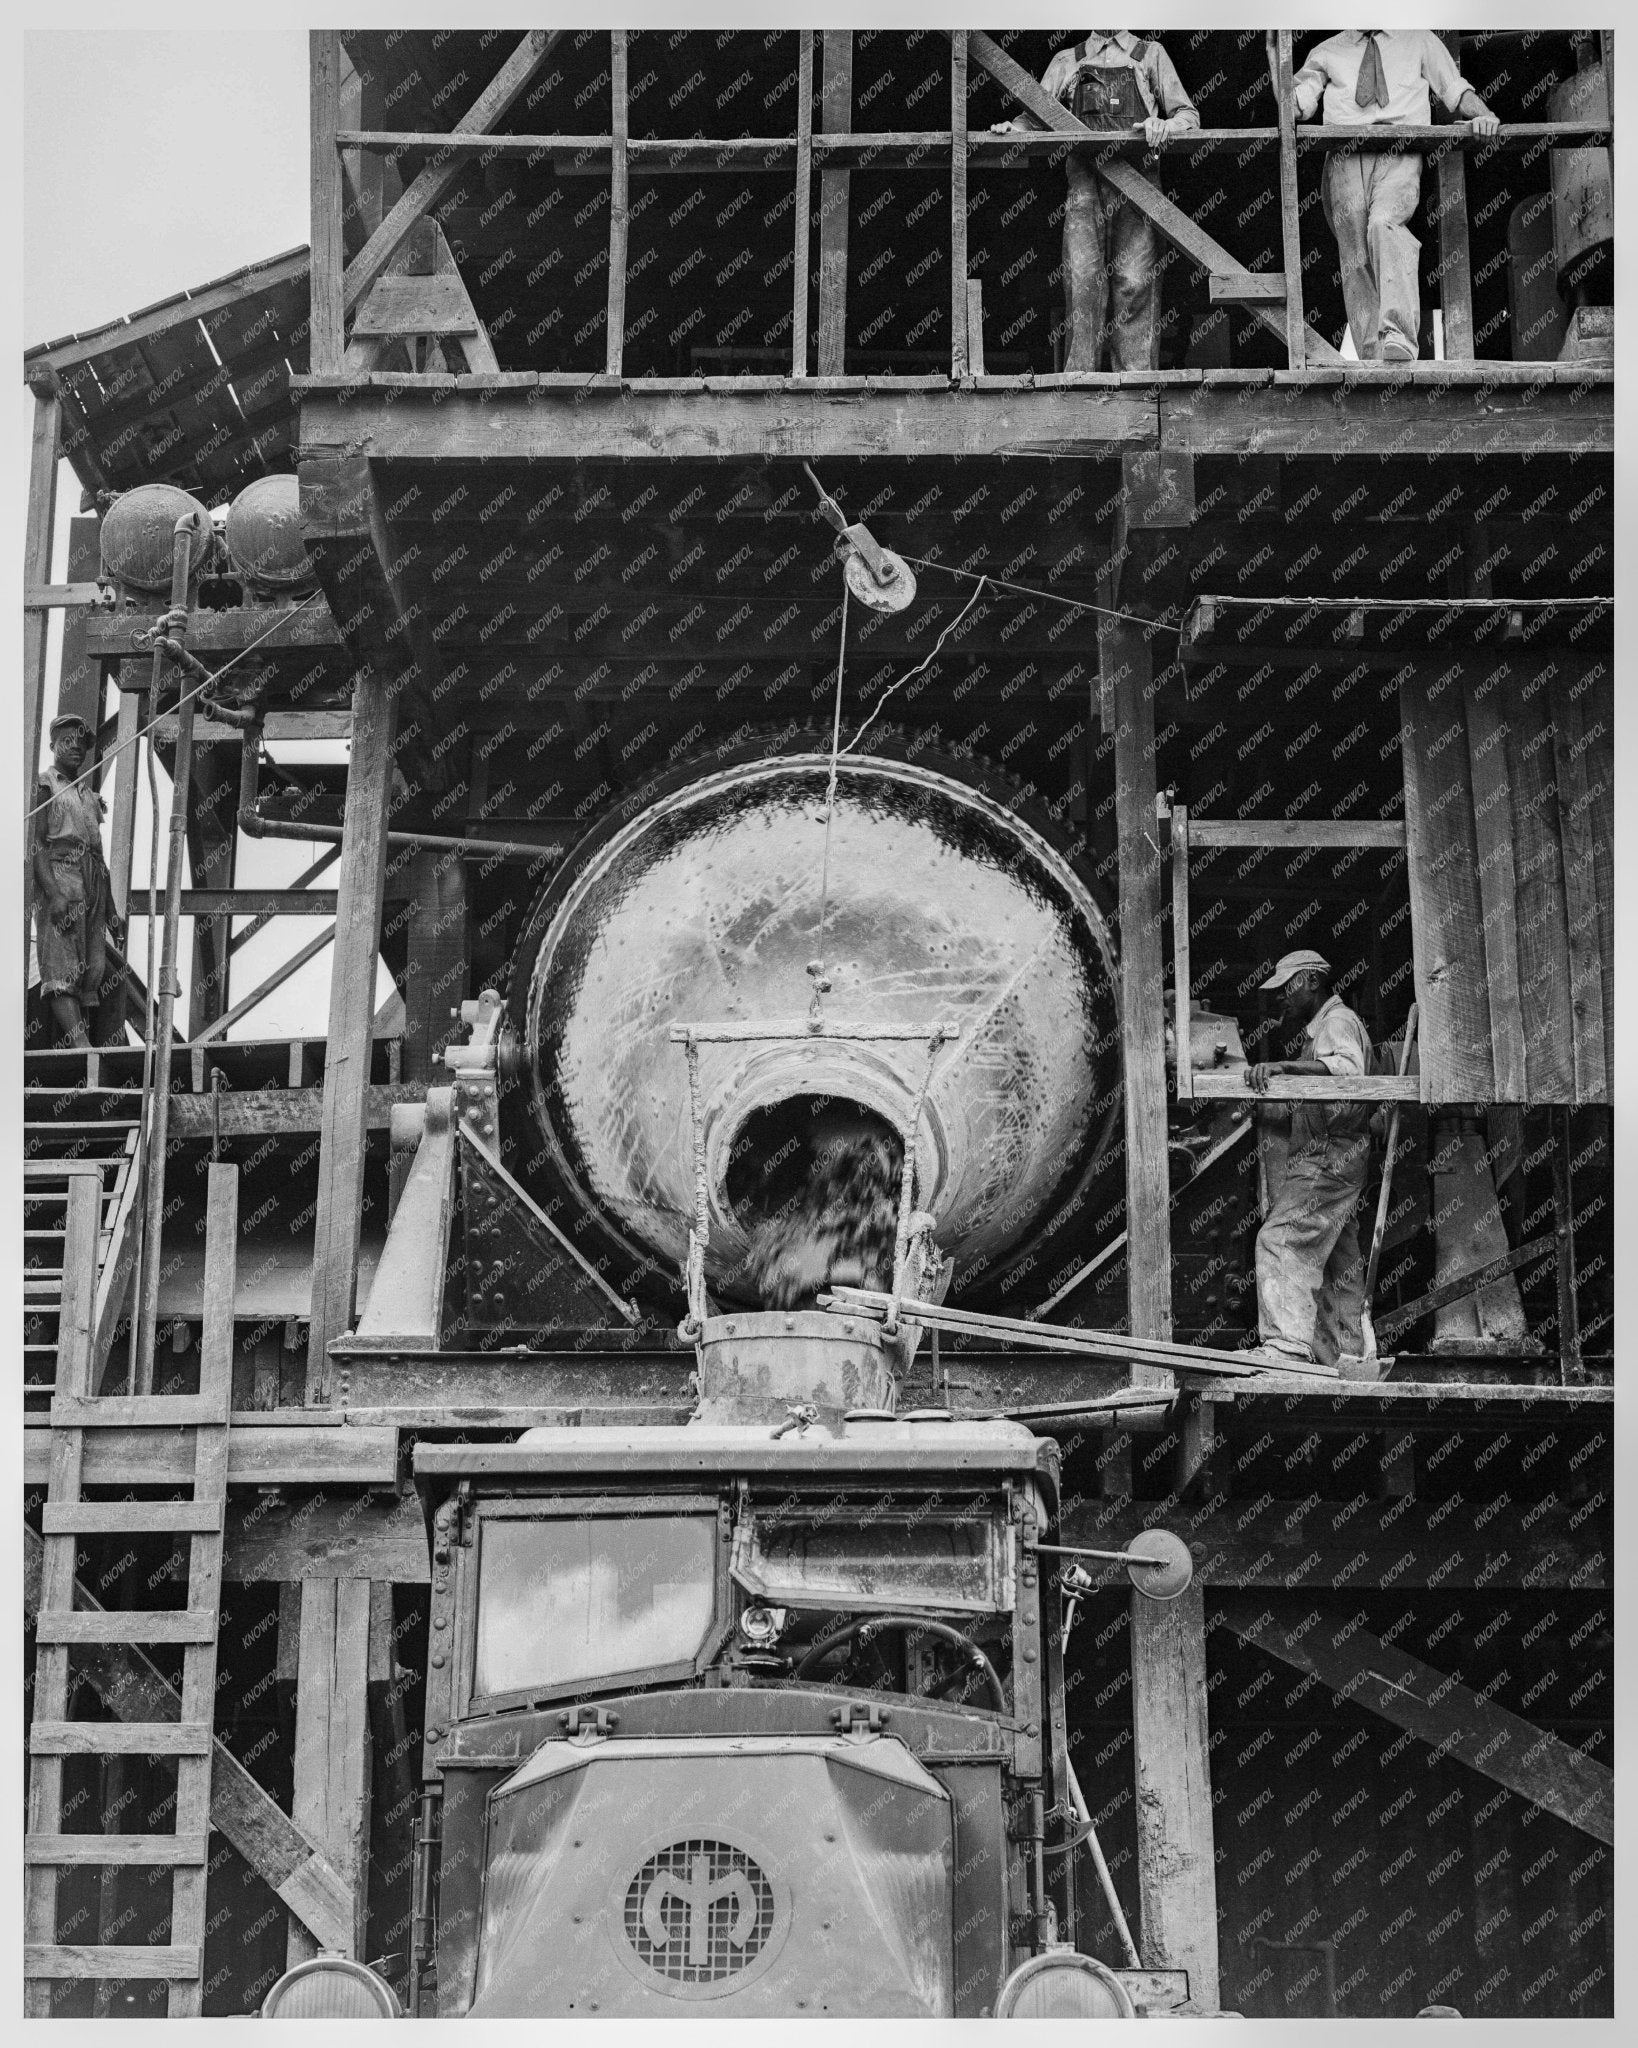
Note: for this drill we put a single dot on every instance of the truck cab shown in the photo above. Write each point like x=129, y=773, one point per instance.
x=743, y=1718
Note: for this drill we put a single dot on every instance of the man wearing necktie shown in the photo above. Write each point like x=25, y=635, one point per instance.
x=1368, y=77
x=1115, y=82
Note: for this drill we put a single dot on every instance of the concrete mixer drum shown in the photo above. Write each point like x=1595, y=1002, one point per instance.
x=703, y=906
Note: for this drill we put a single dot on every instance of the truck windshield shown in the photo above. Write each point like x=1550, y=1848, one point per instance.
x=566, y=1599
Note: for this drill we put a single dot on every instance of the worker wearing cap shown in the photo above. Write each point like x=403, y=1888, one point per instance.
x=73, y=908
x=1368, y=77
x=1310, y=1292
x=1114, y=82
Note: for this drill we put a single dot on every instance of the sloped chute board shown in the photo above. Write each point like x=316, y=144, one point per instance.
x=518, y=1277
x=1509, y=810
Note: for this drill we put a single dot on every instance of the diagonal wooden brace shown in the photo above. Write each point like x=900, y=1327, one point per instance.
x=1170, y=221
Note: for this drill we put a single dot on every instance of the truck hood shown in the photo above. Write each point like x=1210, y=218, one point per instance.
x=746, y=1875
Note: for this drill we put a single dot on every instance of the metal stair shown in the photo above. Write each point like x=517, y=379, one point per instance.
x=74, y=1129
x=48, y=1847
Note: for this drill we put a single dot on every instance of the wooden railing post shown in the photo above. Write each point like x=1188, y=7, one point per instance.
x=328, y=257
x=619, y=210
x=959, y=363
x=834, y=188
x=1455, y=266
x=1296, y=332
x=804, y=201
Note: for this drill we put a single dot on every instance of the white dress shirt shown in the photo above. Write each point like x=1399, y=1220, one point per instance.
x=1413, y=61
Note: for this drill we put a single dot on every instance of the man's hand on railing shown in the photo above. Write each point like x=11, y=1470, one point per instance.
x=1484, y=124
x=1156, y=133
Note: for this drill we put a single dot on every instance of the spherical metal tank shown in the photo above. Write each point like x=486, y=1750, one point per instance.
x=703, y=908
x=264, y=535
x=139, y=533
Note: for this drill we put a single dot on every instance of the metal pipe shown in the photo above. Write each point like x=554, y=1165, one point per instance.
x=428, y=1837
x=259, y=827
x=142, y=1378
x=252, y=822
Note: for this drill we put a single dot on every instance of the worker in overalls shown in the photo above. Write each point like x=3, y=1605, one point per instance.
x=1310, y=1275
x=1370, y=77
x=73, y=908
x=1115, y=82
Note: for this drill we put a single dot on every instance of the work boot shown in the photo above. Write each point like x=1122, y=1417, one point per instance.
x=1283, y=1358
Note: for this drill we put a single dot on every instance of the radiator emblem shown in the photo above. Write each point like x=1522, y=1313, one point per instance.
x=698, y=1911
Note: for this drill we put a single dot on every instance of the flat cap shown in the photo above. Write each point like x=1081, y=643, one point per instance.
x=66, y=719
x=1294, y=963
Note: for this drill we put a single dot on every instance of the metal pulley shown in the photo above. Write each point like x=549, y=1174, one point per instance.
x=877, y=577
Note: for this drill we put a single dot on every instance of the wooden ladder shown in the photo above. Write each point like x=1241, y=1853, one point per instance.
x=68, y=1517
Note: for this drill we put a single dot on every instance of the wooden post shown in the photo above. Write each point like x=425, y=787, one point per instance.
x=959, y=366
x=328, y=257
x=619, y=210
x=1177, y=1885
x=352, y=1013
x=435, y=974
x=332, y=1773
x=804, y=201
x=127, y=768
x=1296, y=332
x=1176, y=1871
x=1455, y=267
x=1181, y=997
x=1127, y=674
x=40, y=520
x=837, y=112
x=1569, y=1314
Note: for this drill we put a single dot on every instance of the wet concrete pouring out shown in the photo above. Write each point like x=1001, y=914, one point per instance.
x=823, y=1209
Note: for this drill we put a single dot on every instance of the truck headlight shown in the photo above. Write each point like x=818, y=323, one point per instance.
x=331, y=1988
x=1063, y=1985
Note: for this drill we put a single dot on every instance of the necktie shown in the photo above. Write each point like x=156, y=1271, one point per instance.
x=1372, y=89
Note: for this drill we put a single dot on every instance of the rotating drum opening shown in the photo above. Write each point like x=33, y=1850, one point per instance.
x=813, y=1182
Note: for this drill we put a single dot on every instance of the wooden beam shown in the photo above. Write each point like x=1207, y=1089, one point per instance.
x=285, y=1857
x=332, y=1765
x=1389, y=833
x=1450, y=1716
x=1171, y=221
x=837, y=113
x=486, y=113
x=1391, y=1540
x=210, y=903
x=220, y=1026
x=1177, y=1884
x=804, y=201
x=619, y=208
x=278, y=1112
x=352, y=1014
x=328, y=258
x=958, y=204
